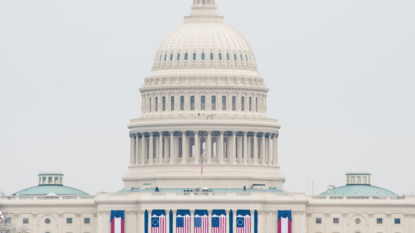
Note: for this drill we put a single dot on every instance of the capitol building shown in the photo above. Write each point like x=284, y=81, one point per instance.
x=205, y=144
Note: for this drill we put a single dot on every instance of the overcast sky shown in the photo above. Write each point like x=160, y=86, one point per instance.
x=341, y=74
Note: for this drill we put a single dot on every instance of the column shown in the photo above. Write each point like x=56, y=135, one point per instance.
x=234, y=221
x=140, y=222
x=166, y=149
x=263, y=149
x=131, y=149
x=150, y=149
x=261, y=225
x=149, y=219
x=228, y=218
x=172, y=157
x=160, y=149
x=255, y=148
x=197, y=148
x=137, y=149
x=174, y=221
x=167, y=221
x=192, y=221
x=143, y=148
x=78, y=221
x=210, y=221
x=275, y=155
x=270, y=149
x=249, y=149
x=34, y=222
x=233, y=148
x=239, y=149
x=221, y=147
x=246, y=154
x=60, y=216
x=184, y=149
x=209, y=147
x=252, y=220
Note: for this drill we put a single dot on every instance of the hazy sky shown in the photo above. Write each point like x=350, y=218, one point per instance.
x=341, y=74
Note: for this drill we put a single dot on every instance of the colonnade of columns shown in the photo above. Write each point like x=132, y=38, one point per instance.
x=219, y=147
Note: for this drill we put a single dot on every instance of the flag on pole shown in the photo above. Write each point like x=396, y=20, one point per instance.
x=218, y=221
x=201, y=221
x=243, y=221
x=117, y=221
x=183, y=221
x=158, y=221
x=284, y=221
x=201, y=164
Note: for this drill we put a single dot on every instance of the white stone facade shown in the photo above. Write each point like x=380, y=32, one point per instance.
x=205, y=97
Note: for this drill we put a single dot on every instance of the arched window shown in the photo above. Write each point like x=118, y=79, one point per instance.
x=203, y=56
x=182, y=103
x=186, y=56
x=192, y=151
x=192, y=103
x=220, y=57
x=256, y=104
x=223, y=102
x=211, y=56
x=202, y=103
x=242, y=58
x=235, y=57
x=242, y=103
x=180, y=147
x=150, y=104
x=165, y=57
x=171, y=57
x=172, y=103
x=246, y=56
x=161, y=56
x=164, y=103
x=178, y=56
x=250, y=104
x=225, y=147
x=194, y=56
x=157, y=104
x=213, y=102
x=228, y=57
x=233, y=103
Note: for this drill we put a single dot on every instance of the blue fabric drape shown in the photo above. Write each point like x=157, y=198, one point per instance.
x=231, y=221
x=117, y=214
x=146, y=221
x=183, y=212
x=201, y=213
x=256, y=221
x=171, y=222
x=158, y=213
x=284, y=214
x=218, y=212
x=243, y=212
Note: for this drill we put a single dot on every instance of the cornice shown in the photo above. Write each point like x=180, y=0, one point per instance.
x=47, y=204
x=363, y=204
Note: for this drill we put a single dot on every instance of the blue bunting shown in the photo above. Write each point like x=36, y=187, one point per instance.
x=218, y=212
x=284, y=214
x=243, y=212
x=201, y=213
x=183, y=212
x=117, y=214
x=158, y=213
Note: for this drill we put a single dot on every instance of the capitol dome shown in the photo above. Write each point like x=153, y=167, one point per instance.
x=204, y=98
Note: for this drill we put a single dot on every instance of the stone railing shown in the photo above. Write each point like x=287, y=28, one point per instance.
x=46, y=198
x=359, y=197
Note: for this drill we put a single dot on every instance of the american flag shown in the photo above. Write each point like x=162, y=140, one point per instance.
x=218, y=223
x=243, y=224
x=158, y=224
x=201, y=224
x=183, y=223
x=201, y=164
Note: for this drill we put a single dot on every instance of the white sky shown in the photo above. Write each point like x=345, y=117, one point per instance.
x=341, y=74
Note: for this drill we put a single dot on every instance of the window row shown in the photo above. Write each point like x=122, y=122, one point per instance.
x=203, y=103
x=397, y=221
x=203, y=57
x=68, y=221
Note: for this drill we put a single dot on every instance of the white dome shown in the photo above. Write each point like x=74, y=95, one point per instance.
x=204, y=41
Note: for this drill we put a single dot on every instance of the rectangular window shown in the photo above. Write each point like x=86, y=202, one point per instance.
x=379, y=221
x=223, y=102
x=336, y=220
x=87, y=220
x=150, y=104
x=250, y=104
x=192, y=103
x=233, y=103
x=397, y=221
x=182, y=103
x=164, y=103
x=8, y=221
x=318, y=220
x=242, y=103
x=202, y=104
x=256, y=104
x=157, y=104
x=50, y=180
x=213, y=102
x=172, y=103
x=69, y=221
x=25, y=221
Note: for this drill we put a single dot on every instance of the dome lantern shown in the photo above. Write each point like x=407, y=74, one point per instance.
x=51, y=178
x=354, y=178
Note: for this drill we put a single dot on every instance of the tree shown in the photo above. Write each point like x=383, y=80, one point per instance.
x=9, y=228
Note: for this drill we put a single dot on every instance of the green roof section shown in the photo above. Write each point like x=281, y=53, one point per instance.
x=359, y=190
x=46, y=189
